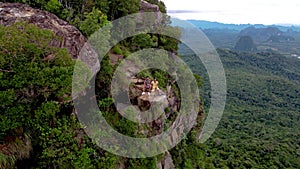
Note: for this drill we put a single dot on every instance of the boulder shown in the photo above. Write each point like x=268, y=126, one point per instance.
x=148, y=7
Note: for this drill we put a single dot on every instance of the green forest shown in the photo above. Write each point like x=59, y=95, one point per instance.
x=39, y=129
x=259, y=127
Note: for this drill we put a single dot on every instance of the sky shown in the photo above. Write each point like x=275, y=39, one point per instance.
x=237, y=11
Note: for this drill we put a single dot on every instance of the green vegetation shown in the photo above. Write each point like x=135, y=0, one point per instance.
x=259, y=128
x=35, y=82
x=260, y=124
x=116, y=49
x=38, y=125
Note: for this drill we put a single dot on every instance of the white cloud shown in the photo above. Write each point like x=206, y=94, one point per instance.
x=238, y=11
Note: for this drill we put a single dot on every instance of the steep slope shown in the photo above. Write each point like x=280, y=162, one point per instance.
x=39, y=94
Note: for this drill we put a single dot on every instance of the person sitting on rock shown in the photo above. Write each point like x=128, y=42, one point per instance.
x=154, y=84
x=147, y=85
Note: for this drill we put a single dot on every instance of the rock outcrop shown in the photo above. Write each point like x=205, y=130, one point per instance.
x=158, y=100
x=170, y=101
x=166, y=162
x=71, y=38
x=148, y=7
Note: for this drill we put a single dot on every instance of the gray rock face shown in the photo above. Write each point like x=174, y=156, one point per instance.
x=72, y=39
x=148, y=7
x=166, y=162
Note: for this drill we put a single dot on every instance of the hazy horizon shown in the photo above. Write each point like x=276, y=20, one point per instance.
x=268, y=12
x=277, y=24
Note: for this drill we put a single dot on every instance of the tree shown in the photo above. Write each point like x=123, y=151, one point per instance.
x=119, y=8
x=93, y=21
x=35, y=84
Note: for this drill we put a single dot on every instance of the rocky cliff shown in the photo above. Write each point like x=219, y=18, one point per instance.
x=75, y=42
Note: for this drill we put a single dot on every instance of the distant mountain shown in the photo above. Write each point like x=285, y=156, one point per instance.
x=222, y=38
x=260, y=34
x=280, y=38
x=284, y=39
x=238, y=27
x=268, y=34
x=245, y=43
